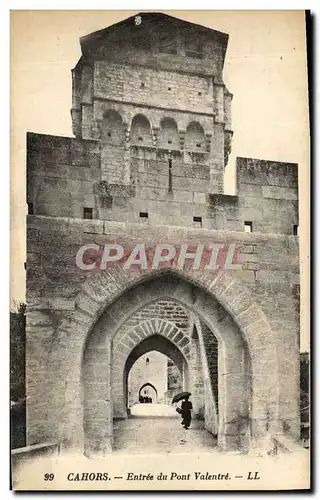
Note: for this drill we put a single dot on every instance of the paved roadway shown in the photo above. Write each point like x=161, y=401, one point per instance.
x=153, y=410
x=156, y=428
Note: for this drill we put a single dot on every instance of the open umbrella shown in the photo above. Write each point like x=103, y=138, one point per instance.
x=180, y=396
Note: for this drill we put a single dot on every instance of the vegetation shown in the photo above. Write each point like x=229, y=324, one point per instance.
x=17, y=352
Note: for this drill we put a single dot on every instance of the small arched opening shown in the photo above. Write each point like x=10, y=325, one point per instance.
x=112, y=129
x=141, y=131
x=195, y=138
x=168, y=136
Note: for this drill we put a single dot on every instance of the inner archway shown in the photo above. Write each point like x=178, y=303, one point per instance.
x=147, y=391
x=154, y=376
x=162, y=345
x=235, y=406
x=170, y=321
x=159, y=359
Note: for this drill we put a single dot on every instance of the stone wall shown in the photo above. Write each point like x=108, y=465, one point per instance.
x=162, y=309
x=61, y=174
x=64, y=177
x=211, y=350
x=148, y=86
x=211, y=407
x=174, y=381
x=267, y=197
x=270, y=264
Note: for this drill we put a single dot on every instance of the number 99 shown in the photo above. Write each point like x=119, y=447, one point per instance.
x=48, y=477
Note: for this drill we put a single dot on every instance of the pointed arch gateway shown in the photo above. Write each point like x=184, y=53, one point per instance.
x=248, y=393
x=127, y=347
x=147, y=384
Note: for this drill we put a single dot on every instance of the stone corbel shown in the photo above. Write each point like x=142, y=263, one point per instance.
x=208, y=142
x=182, y=136
x=127, y=133
x=155, y=134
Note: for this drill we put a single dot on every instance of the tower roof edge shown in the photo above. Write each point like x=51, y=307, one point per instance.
x=150, y=18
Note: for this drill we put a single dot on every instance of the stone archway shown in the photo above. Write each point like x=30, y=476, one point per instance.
x=234, y=379
x=247, y=390
x=144, y=386
x=155, y=334
x=157, y=343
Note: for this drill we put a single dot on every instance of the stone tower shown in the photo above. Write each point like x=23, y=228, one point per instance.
x=150, y=90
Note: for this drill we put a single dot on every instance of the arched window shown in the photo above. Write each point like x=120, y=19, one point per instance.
x=195, y=138
x=112, y=130
x=141, y=131
x=168, y=136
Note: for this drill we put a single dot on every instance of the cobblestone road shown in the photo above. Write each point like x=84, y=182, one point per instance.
x=161, y=435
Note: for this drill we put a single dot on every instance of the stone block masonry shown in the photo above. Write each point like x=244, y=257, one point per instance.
x=64, y=178
x=144, y=86
x=211, y=348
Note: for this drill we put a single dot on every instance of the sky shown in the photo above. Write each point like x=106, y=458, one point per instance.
x=265, y=69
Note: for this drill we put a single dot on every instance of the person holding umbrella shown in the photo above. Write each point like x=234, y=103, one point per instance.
x=186, y=407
